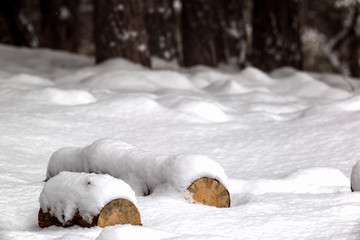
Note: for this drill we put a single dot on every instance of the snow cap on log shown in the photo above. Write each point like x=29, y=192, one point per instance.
x=142, y=170
x=68, y=193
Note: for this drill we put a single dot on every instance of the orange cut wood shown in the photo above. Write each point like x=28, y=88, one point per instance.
x=118, y=211
x=211, y=192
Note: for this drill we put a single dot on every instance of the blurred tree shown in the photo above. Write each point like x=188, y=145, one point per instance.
x=161, y=27
x=120, y=30
x=60, y=26
x=18, y=20
x=333, y=26
x=213, y=31
x=231, y=37
x=354, y=42
x=86, y=29
x=276, y=34
x=199, y=30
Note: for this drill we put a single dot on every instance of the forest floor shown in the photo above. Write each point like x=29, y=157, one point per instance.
x=286, y=140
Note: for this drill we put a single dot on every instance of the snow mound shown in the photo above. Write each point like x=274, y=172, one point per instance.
x=199, y=237
x=351, y=104
x=28, y=80
x=311, y=180
x=355, y=177
x=231, y=87
x=69, y=192
x=129, y=232
x=139, y=81
x=142, y=170
x=203, y=76
x=44, y=62
x=70, y=236
x=283, y=72
x=184, y=169
x=119, y=80
x=255, y=75
x=169, y=79
x=119, y=63
x=205, y=109
x=303, y=85
x=130, y=106
x=62, y=97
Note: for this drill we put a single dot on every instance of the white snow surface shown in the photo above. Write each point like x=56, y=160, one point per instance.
x=69, y=192
x=287, y=141
x=143, y=170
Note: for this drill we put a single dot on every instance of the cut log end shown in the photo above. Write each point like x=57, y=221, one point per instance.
x=209, y=191
x=118, y=211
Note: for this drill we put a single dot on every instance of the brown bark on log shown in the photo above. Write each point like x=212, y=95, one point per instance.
x=118, y=211
x=120, y=30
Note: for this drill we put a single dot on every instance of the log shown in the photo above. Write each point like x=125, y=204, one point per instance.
x=118, y=211
x=209, y=191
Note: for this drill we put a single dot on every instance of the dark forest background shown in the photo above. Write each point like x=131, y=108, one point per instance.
x=314, y=35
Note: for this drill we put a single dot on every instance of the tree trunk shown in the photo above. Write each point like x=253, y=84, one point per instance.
x=231, y=38
x=60, y=24
x=213, y=31
x=86, y=31
x=199, y=30
x=18, y=23
x=276, y=34
x=354, y=44
x=161, y=27
x=120, y=30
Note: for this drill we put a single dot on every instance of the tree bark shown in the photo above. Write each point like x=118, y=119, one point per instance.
x=213, y=31
x=161, y=28
x=276, y=34
x=199, y=31
x=60, y=24
x=354, y=44
x=231, y=37
x=120, y=30
x=17, y=23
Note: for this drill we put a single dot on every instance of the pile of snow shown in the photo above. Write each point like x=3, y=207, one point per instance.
x=68, y=192
x=126, y=232
x=62, y=97
x=207, y=110
x=142, y=170
x=311, y=180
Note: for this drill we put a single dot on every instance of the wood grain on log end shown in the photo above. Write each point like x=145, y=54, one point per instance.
x=209, y=191
x=118, y=211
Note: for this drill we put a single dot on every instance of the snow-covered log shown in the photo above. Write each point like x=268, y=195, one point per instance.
x=87, y=200
x=142, y=170
x=355, y=177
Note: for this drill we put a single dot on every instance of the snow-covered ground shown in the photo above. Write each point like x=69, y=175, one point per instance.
x=287, y=141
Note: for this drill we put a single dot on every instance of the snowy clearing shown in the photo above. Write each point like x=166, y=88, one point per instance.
x=287, y=142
